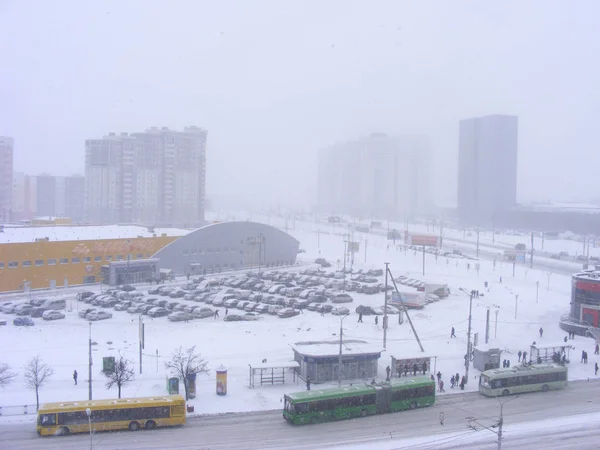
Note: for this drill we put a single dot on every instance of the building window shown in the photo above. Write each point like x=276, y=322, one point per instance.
x=52, y=262
x=75, y=260
x=13, y=264
x=119, y=257
x=139, y=256
x=64, y=260
x=26, y=264
x=108, y=257
x=89, y=279
x=39, y=262
x=97, y=258
x=1, y=265
x=87, y=259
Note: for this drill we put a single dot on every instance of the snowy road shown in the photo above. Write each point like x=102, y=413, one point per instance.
x=268, y=430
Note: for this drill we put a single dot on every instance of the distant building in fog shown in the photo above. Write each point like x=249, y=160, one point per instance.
x=6, y=178
x=378, y=176
x=48, y=196
x=487, y=167
x=156, y=177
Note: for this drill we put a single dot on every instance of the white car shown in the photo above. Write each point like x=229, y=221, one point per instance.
x=179, y=316
x=340, y=311
x=52, y=315
x=98, y=315
x=201, y=313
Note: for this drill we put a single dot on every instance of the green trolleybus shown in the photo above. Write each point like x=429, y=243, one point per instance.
x=521, y=379
x=358, y=401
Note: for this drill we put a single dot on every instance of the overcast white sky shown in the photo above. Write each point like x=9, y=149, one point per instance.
x=274, y=81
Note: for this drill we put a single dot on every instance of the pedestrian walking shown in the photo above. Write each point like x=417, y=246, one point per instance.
x=524, y=357
x=308, y=383
x=456, y=378
x=595, y=368
x=226, y=311
x=387, y=371
x=415, y=368
x=500, y=280
x=586, y=358
x=541, y=331
x=597, y=349
x=75, y=375
x=441, y=383
x=520, y=354
x=439, y=375
x=463, y=381
x=477, y=293
x=424, y=367
x=566, y=339
x=432, y=377
x=582, y=356
x=216, y=313
x=452, y=333
x=376, y=320
x=360, y=317
x=452, y=382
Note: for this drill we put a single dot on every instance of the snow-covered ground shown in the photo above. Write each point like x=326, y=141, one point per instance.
x=63, y=344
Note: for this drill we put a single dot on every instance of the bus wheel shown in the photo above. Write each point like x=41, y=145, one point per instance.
x=150, y=425
x=545, y=388
x=363, y=413
x=134, y=426
x=413, y=405
x=63, y=431
x=505, y=392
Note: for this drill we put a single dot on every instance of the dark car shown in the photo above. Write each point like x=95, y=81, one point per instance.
x=23, y=322
x=126, y=288
x=233, y=318
x=322, y=262
x=37, y=311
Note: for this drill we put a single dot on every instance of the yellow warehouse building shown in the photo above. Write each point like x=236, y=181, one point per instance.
x=58, y=256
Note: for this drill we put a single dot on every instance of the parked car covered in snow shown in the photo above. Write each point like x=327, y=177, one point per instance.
x=340, y=311
x=98, y=315
x=52, y=315
x=287, y=312
x=180, y=316
x=23, y=322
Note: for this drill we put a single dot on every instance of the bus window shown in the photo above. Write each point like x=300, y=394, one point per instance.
x=47, y=420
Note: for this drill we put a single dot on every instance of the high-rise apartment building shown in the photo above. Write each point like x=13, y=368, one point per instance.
x=6, y=178
x=155, y=177
x=487, y=167
x=378, y=176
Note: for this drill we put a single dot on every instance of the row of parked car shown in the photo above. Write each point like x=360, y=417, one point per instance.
x=47, y=309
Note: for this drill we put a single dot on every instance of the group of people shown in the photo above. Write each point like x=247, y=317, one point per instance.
x=454, y=382
x=523, y=356
x=405, y=368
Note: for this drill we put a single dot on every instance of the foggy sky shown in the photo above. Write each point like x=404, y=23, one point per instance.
x=275, y=81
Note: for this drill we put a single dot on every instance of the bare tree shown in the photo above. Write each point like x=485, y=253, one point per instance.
x=186, y=363
x=6, y=375
x=36, y=374
x=121, y=375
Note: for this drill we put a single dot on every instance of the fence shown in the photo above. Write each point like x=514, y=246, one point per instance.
x=17, y=410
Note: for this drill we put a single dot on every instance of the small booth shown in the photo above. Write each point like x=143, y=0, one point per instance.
x=221, y=380
x=319, y=360
x=486, y=358
x=410, y=365
x=272, y=373
x=129, y=271
x=559, y=353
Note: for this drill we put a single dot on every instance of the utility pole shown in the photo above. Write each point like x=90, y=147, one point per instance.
x=548, y=275
x=366, y=241
x=531, y=262
x=537, y=290
x=423, y=260
x=477, y=241
x=385, y=310
x=487, y=326
x=543, y=240
x=141, y=338
x=340, y=355
x=406, y=312
x=496, y=325
x=514, y=265
x=468, y=355
x=441, y=232
x=319, y=239
x=516, y=304
x=90, y=364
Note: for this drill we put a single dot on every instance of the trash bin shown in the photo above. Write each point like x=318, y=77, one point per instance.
x=221, y=380
x=190, y=408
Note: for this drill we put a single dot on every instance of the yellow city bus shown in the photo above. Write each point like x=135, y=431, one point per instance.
x=63, y=418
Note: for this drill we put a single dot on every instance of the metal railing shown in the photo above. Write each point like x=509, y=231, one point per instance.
x=17, y=410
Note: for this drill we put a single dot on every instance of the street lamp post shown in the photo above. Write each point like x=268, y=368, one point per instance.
x=516, y=299
x=548, y=275
x=88, y=411
x=340, y=355
x=468, y=355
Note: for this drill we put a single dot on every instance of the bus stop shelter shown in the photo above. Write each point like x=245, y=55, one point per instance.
x=319, y=360
x=272, y=373
x=404, y=365
x=559, y=352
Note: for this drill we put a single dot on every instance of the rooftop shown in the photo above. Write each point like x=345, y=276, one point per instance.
x=332, y=348
x=61, y=233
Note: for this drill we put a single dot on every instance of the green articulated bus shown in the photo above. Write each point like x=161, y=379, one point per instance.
x=521, y=379
x=346, y=402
